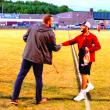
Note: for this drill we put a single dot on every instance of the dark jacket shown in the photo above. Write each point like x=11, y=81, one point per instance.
x=40, y=44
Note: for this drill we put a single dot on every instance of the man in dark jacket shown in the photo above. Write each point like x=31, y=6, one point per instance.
x=40, y=42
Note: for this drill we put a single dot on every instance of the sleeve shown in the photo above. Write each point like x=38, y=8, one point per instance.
x=96, y=45
x=25, y=36
x=52, y=42
x=70, y=42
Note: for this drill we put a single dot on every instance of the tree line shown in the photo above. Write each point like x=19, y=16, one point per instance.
x=31, y=7
x=103, y=10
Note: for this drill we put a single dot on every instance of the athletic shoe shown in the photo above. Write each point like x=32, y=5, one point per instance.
x=14, y=102
x=80, y=96
x=44, y=100
x=89, y=87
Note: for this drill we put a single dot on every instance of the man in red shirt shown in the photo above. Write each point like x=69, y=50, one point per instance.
x=87, y=45
x=98, y=28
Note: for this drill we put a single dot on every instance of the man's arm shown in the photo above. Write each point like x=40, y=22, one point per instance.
x=96, y=45
x=52, y=42
x=25, y=36
x=70, y=42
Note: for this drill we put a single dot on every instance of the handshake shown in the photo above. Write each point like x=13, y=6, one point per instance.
x=60, y=45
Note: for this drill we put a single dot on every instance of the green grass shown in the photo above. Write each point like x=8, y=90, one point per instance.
x=60, y=87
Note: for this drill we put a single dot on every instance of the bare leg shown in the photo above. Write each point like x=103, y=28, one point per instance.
x=84, y=81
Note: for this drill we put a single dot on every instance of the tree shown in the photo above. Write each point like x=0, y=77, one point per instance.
x=30, y=7
x=1, y=6
x=63, y=8
x=1, y=1
x=103, y=10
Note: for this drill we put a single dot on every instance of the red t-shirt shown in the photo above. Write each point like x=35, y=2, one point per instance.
x=89, y=41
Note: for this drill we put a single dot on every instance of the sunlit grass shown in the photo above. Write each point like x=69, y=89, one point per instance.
x=60, y=87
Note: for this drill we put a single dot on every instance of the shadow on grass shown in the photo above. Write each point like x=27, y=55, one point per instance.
x=58, y=91
x=98, y=99
x=59, y=99
x=101, y=100
x=100, y=94
x=22, y=98
x=50, y=99
x=89, y=96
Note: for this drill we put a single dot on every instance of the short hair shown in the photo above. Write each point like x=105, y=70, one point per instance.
x=46, y=18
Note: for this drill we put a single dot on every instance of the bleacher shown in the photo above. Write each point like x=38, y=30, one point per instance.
x=19, y=20
x=101, y=15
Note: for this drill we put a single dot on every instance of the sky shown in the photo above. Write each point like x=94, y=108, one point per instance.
x=80, y=5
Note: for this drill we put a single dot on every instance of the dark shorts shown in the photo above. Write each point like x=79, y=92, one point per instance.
x=85, y=69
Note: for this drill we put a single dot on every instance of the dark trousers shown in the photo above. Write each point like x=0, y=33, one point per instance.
x=25, y=67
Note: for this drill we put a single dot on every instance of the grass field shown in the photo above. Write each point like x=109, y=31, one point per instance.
x=60, y=87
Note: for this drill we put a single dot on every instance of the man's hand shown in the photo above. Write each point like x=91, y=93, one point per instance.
x=86, y=49
x=60, y=45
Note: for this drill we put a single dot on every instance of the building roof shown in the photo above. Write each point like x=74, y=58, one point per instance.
x=101, y=15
